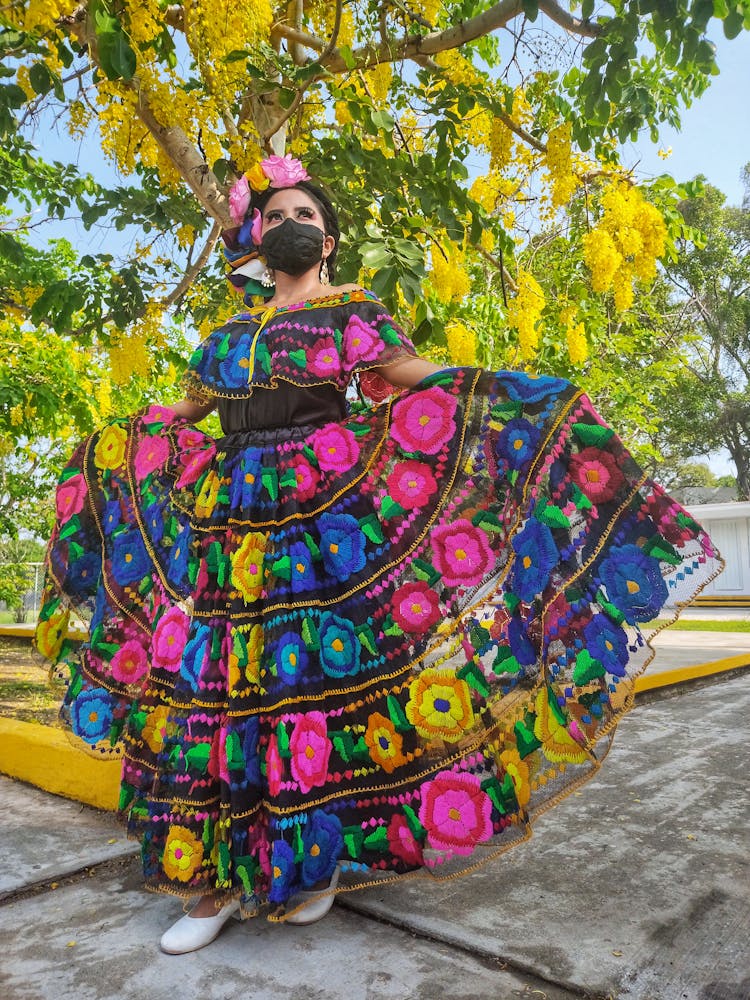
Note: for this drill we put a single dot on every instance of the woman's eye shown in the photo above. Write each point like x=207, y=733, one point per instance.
x=306, y=213
x=273, y=216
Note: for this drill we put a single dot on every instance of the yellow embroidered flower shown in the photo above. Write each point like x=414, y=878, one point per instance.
x=157, y=727
x=247, y=566
x=550, y=728
x=439, y=705
x=183, y=854
x=519, y=774
x=208, y=495
x=51, y=633
x=109, y=451
x=384, y=743
x=254, y=654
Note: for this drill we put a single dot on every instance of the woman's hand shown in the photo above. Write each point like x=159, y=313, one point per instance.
x=407, y=371
x=192, y=411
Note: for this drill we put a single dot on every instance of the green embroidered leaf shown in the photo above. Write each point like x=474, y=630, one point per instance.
x=223, y=349
x=587, y=668
x=389, y=336
x=526, y=741
x=365, y=636
x=224, y=866
x=378, y=839
x=197, y=756
x=263, y=355
x=73, y=526
x=343, y=744
x=474, y=678
x=505, y=662
x=511, y=601
x=579, y=498
x=310, y=456
x=424, y=571
x=412, y=821
x=283, y=568
x=592, y=434
x=270, y=480
x=235, y=757
x=299, y=357
x=552, y=516
x=661, y=549
x=127, y=794
x=354, y=838
x=338, y=339
x=371, y=528
x=361, y=749
x=282, y=738
x=299, y=845
x=487, y=520
x=310, y=635
x=390, y=627
x=312, y=546
x=390, y=508
x=480, y=638
x=614, y=613
x=396, y=715
x=506, y=411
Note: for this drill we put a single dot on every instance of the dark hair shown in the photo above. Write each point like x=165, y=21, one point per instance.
x=330, y=218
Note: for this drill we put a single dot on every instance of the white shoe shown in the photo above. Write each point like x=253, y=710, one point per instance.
x=317, y=910
x=191, y=933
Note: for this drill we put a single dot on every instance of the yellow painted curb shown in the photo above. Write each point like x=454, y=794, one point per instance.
x=46, y=758
x=27, y=632
x=650, y=681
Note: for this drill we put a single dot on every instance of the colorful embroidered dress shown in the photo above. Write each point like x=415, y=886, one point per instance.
x=383, y=639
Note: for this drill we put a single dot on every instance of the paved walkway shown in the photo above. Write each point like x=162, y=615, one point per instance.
x=637, y=887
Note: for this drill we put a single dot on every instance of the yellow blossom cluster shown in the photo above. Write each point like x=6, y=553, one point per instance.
x=561, y=177
x=462, y=343
x=575, y=335
x=128, y=355
x=448, y=276
x=525, y=312
x=40, y=15
x=185, y=236
x=143, y=21
x=79, y=117
x=626, y=243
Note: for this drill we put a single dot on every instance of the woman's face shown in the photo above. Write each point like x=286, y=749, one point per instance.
x=291, y=203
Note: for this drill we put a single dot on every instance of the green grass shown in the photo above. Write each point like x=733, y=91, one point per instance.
x=695, y=625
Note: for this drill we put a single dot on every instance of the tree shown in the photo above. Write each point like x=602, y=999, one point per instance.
x=387, y=101
x=709, y=406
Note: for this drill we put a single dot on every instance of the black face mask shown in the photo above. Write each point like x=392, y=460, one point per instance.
x=293, y=247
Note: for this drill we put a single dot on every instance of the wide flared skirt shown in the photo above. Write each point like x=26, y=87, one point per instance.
x=384, y=643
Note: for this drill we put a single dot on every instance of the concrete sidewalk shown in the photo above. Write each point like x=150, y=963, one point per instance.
x=637, y=887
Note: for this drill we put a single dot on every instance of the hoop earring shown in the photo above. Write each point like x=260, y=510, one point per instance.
x=268, y=278
x=325, y=277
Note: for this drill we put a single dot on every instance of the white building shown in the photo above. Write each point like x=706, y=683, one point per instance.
x=728, y=524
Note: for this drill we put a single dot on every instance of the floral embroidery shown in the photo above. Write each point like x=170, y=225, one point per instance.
x=423, y=422
x=183, y=854
x=455, y=812
x=335, y=448
x=411, y=483
x=462, y=553
x=170, y=636
x=247, y=566
x=439, y=705
x=384, y=743
x=311, y=750
x=70, y=497
x=416, y=607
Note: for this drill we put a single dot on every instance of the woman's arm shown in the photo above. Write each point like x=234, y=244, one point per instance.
x=193, y=411
x=407, y=371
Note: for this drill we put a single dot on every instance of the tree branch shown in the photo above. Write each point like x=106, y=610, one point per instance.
x=194, y=269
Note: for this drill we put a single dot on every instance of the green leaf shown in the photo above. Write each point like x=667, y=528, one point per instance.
x=40, y=79
x=592, y=434
x=117, y=58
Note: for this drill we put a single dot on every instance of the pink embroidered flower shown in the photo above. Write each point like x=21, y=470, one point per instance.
x=323, y=358
x=335, y=448
x=156, y=414
x=415, y=607
x=69, y=497
x=152, y=454
x=284, y=171
x=411, y=483
x=274, y=767
x=239, y=200
x=401, y=841
x=307, y=478
x=223, y=762
x=596, y=474
x=455, y=812
x=462, y=553
x=423, y=421
x=361, y=342
x=311, y=750
x=169, y=640
x=374, y=386
x=189, y=438
x=129, y=663
x=194, y=465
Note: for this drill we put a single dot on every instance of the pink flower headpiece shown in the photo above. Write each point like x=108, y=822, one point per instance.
x=276, y=172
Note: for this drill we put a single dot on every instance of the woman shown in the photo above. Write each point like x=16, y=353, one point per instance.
x=372, y=642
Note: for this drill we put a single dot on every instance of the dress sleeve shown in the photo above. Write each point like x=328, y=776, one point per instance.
x=372, y=338
x=196, y=382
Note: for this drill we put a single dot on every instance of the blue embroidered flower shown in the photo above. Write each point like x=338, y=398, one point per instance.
x=536, y=554
x=323, y=841
x=634, y=583
x=517, y=442
x=342, y=545
x=531, y=388
x=250, y=749
x=112, y=516
x=283, y=872
x=130, y=562
x=302, y=568
x=195, y=654
x=246, y=478
x=339, y=645
x=179, y=555
x=519, y=642
x=83, y=574
x=607, y=643
x=291, y=658
x=91, y=715
x=234, y=370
